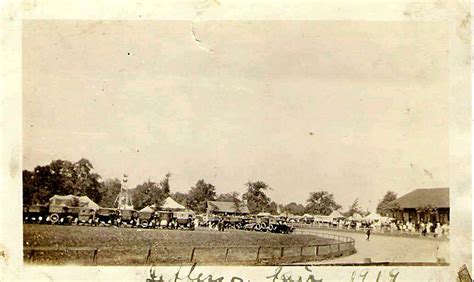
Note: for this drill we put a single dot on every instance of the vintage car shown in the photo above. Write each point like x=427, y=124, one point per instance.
x=35, y=213
x=86, y=216
x=60, y=214
x=146, y=219
x=261, y=224
x=106, y=216
x=280, y=227
x=183, y=220
x=233, y=222
x=164, y=219
x=128, y=218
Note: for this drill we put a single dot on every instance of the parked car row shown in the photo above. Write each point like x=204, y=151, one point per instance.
x=248, y=223
x=67, y=215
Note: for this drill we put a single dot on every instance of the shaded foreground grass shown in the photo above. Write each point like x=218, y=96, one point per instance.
x=125, y=246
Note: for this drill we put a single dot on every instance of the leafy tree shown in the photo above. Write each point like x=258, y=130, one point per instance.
x=256, y=198
x=181, y=198
x=229, y=197
x=146, y=194
x=293, y=208
x=199, y=194
x=321, y=203
x=272, y=207
x=29, y=188
x=109, y=191
x=165, y=184
x=354, y=208
x=385, y=206
x=61, y=178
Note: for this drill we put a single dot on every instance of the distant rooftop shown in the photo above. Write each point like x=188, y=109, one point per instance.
x=438, y=197
x=226, y=207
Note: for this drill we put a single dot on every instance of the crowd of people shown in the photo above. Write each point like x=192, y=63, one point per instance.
x=433, y=229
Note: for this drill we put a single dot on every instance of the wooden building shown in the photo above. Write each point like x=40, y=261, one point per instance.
x=227, y=208
x=423, y=205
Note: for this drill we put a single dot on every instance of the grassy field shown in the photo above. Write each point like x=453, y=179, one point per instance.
x=120, y=246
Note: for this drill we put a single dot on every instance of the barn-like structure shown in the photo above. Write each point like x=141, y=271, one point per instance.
x=227, y=208
x=423, y=205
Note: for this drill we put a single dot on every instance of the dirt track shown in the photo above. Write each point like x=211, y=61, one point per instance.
x=392, y=249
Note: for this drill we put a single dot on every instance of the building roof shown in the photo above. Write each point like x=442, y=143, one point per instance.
x=437, y=197
x=226, y=207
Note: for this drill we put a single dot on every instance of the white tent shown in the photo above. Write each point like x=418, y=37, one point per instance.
x=374, y=216
x=307, y=215
x=264, y=214
x=147, y=209
x=83, y=201
x=336, y=214
x=89, y=203
x=356, y=216
x=171, y=204
x=322, y=218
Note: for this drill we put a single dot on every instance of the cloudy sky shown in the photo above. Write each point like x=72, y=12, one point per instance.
x=354, y=108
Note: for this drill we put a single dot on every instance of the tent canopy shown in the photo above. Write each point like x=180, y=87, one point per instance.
x=374, y=216
x=147, y=209
x=336, y=214
x=322, y=218
x=171, y=204
x=68, y=200
x=356, y=216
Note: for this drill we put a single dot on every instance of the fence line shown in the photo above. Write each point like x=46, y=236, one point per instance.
x=255, y=255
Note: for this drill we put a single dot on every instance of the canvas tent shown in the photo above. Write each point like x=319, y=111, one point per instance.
x=147, y=209
x=69, y=200
x=356, y=216
x=336, y=215
x=172, y=205
x=374, y=217
x=168, y=205
x=322, y=218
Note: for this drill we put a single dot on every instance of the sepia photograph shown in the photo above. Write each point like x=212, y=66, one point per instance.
x=257, y=143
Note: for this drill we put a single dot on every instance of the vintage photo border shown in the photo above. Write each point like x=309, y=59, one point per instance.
x=455, y=14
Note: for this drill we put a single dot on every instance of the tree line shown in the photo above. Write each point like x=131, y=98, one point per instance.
x=77, y=178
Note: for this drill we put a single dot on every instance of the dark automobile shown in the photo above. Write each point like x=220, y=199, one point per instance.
x=262, y=224
x=146, y=219
x=35, y=214
x=60, y=214
x=233, y=222
x=106, y=216
x=282, y=228
x=86, y=216
x=128, y=218
x=164, y=219
x=183, y=220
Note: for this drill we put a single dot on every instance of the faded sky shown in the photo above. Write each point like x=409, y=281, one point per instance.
x=354, y=108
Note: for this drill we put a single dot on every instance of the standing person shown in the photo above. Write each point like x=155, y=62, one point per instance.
x=422, y=228
x=425, y=229
x=368, y=234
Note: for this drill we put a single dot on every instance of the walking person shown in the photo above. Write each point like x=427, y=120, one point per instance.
x=368, y=234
